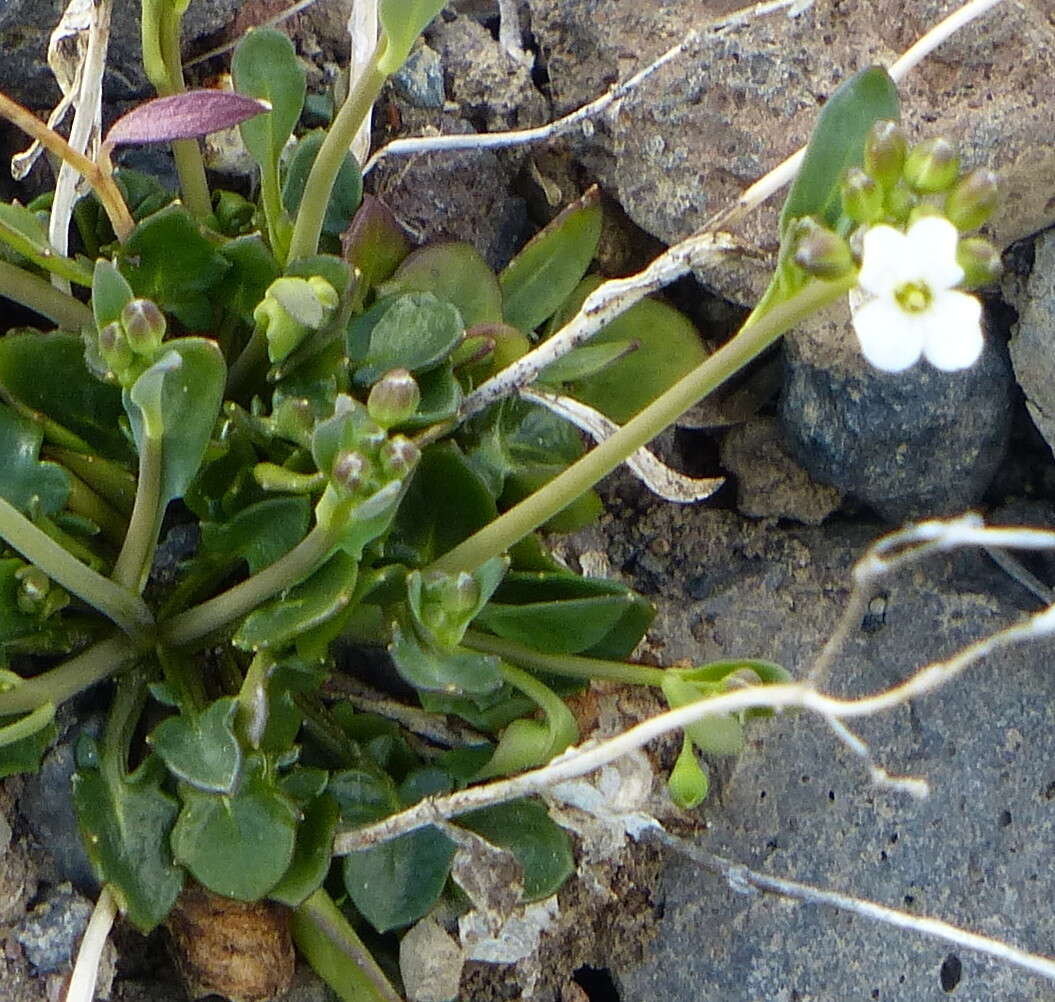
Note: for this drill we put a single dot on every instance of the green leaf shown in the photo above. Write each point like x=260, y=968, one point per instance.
x=202, y=749
x=301, y=608
x=259, y=534
x=455, y=273
x=177, y=400
x=441, y=396
x=265, y=66
x=25, y=739
x=402, y=21
x=715, y=735
x=395, y=883
x=540, y=845
x=837, y=142
x=238, y=846
x=688, y=783
x=453, y=672
x=363, y=795
x=545, y=272
x=169, y=260
x=347, y=191
x=416, y=331
x=374, y=243
x=23, y=231
x=125, y=825
x=110, y=293
x=561, y=613
x=252, y=269
x=46, y=373
x=17, y=628
x=25, y=481
x=311, y=854
x=669, y=347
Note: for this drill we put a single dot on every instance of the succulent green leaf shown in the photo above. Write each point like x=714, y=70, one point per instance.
x=441, y=396
x=301, y=608
x=375, y=243
x=312, y=853
x=25, y=739
x=177, y=400
x=540, y=845
x=431, y=669
x=688, y=783
x=347, y=191
x=548, y=269
x=259, y=534
x=110, y=293
x=238, y=846
x=668, y=347
x=455, y=273
x=23, y=231
x=169, y=260
x=416, y=331
x=837, y=142
x=125, y=823
x=265, y=66
x=202, y=749
x=25, y=481
x=252, y=269
x=395, y=883
x=402, y=21
x=716, y=735
x=363, y=795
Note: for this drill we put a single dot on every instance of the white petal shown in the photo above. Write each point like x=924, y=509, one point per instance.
x=883, y=257
x=889, y=338
x=953, y=338
x=932, y=241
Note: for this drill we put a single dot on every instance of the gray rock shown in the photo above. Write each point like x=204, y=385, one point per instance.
x=1033, y=338
x=912, y=444
x=420, y=80
x=50, y=933
x=713, y=121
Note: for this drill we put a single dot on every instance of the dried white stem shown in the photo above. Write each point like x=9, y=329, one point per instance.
x=743, y=879
x=90, y=953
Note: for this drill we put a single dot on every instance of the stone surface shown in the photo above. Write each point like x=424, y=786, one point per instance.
x=797, y=804
x=430, y=963
x=1033, y=337
x=420, y=80
x=707, y=125
x=49, y=934
x=912, y=444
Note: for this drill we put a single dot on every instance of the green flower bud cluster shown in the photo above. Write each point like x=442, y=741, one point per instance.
x=446, y=603
x=394, y=398
x=37, y=595
x=128, y=346
x=292, y=309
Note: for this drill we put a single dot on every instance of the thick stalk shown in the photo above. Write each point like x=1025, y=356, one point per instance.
x=295, y=566
x=753, y=338
x=124, y=607
x=43, y=298
x=308, y=227
x=134, y=561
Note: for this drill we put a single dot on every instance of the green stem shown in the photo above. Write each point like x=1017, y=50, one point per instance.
x=308, y=227
x=106, y=478
x=754, y=337
x=194, y=624
x=137, y=553
x=42, y=297
x=124, y=607
x=84, y=501
x=336, y=953
x=567, y=665
x=278, y=228
x=184, y=680
x=129, y=697
x=69, y=678
x=32, y=722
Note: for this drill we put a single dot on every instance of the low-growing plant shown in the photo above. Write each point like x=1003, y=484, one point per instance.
x=330, y=420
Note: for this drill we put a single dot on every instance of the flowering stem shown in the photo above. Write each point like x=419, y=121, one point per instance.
x=760, y=331
x=42, y=297
x=136, y=556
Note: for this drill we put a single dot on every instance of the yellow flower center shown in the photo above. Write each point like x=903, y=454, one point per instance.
x=913, y=297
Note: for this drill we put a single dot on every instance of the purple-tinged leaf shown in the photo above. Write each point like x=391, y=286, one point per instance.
x=183, y=116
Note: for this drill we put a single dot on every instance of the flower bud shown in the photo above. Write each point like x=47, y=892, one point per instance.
x=33, y=588
x=233, y=213
x=350, y=471
x=886, y=147
x=820, y=252
x=900, y=201
x=973, y=200
x=114, y=348
x=398, y=456
x=393, y=398
x=932, y=166
x=145, y=325
x=980, y=261
x=862, y=197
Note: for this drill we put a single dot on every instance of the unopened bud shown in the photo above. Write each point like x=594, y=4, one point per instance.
x=349, y=472
x=922, y=211
x=394, y=398
x=33, y=588
x=932, y=166
x=114, y=348
x=886, y=147
x=820, y=252
x=899, y=203
x=980, y=261
x=862, y=197
x=294, y=419
x=973, y=200
x=145, y=325
x=398, y=456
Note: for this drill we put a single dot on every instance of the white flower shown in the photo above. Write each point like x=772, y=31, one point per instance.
x=914, y=309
